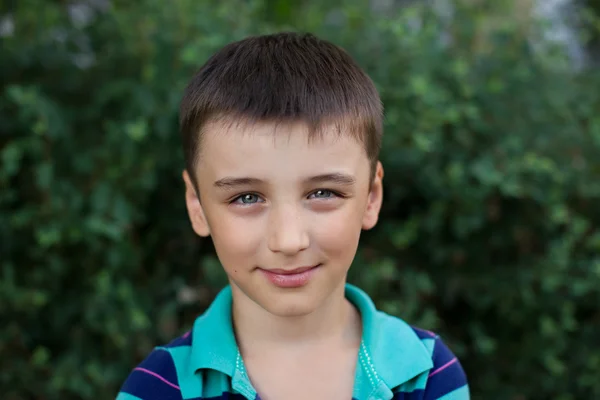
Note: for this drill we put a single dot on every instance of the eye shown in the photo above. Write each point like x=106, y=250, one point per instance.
x=322, y=194
x=248, y=198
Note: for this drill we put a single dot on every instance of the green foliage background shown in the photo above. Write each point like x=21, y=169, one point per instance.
x=489, y=234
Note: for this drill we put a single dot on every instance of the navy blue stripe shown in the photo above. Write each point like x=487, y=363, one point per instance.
x=423, y=334
x=224, y=396
x=160, y=362
x=184, y=340
x=444, y=377
x=414, y=395
x=147, y=386
x=441, y=354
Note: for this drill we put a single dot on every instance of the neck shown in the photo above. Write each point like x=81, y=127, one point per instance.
x=335, y=321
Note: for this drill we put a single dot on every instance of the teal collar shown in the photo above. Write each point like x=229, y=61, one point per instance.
x=391, y=353
x=213, y=342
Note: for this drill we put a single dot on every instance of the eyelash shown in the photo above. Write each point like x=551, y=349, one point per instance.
x=333, y=195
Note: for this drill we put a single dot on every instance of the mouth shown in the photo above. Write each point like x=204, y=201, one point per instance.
x=290, y=278
x=298, y=270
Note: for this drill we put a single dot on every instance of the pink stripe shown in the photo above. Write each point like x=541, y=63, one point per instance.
x=431, y=333
x=443, y=367
x=157, y=376
x=186, y=334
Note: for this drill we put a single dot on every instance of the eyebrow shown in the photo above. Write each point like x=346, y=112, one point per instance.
x=336, y=178
x=232, y=183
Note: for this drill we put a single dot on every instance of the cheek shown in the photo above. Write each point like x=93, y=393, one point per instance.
x=234, y=238
x=338, y=234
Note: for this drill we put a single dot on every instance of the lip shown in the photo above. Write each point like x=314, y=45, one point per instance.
x=290, y=271
x=291, y=278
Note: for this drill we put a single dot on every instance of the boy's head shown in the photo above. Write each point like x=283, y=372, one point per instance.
x=281, y=138
x=282, y=78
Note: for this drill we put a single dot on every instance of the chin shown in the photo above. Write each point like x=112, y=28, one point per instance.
x=289, y=309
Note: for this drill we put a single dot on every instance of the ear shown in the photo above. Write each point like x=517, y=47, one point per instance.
x=195, y=210
x=375, y=199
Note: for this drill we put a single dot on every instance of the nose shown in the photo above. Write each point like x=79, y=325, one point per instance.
x=287, y=233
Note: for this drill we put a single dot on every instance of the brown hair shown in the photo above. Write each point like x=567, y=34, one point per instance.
x=282, y=78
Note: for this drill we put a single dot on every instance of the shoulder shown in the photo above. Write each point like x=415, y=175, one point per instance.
x=155, y=378
x=446, y=379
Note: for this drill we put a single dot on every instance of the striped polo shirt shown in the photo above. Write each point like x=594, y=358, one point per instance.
x=395, y=361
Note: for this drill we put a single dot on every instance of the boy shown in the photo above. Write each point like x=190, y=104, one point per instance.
x=281, y=138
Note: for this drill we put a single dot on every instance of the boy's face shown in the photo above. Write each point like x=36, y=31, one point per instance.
x=275, y=203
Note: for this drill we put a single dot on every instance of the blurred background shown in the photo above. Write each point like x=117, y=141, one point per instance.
x=490, y=233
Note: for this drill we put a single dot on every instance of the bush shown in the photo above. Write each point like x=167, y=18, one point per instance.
x=489, y=233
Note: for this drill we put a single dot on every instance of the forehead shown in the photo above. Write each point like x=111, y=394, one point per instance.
x=269, y=149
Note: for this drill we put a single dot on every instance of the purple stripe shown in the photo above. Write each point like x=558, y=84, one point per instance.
x=443, y=367
x=157, y=376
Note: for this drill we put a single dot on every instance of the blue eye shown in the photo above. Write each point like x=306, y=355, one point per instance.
x=247, y=198
x=322, y=194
